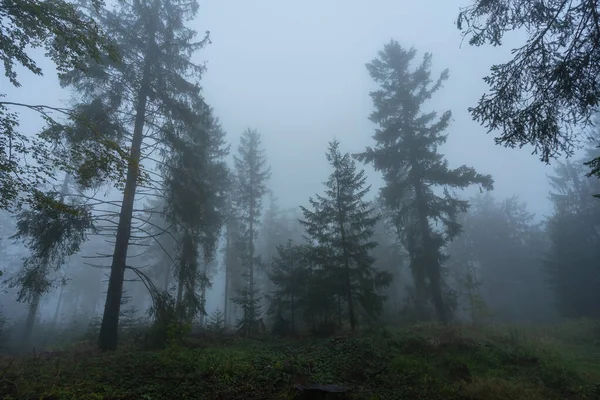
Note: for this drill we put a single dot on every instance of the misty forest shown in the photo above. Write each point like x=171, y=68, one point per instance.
x=270, y=200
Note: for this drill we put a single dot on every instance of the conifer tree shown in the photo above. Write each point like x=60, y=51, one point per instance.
x=154, y=84
x=161, y=246
x=507, y=258
x=216, y=322
x=342, y=222
x=195, y=185
x=475, y=306
x=574, y=233
x=321, y=302
x=52, y=232
x=391, y=257
x=406, y=152
x=251, y=174
x=231, y=258
x=288, y=277
x=208, y=272
x=274, y=232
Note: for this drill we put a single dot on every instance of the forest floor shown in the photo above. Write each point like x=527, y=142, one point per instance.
x=420, y=362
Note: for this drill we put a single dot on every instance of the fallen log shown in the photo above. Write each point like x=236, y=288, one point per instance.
x=317, y=391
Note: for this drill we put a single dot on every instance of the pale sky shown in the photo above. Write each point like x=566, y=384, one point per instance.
x=296, y=72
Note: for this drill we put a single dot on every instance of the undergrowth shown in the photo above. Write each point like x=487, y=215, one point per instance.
x=422, y=362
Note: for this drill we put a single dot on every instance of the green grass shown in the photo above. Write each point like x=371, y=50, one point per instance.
x=421, y=362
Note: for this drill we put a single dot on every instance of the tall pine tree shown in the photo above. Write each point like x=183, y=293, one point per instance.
x=195, y=186
x=251, y=175
x=390, y=256
x=275, y=231
x=154, y=83
x=287, y=275
x=406, y=151
x=341, y=224
x=231, y=258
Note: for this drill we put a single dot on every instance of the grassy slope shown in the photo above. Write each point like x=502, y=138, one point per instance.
x=425, y=362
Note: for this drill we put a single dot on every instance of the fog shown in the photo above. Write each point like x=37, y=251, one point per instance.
x=295, y=72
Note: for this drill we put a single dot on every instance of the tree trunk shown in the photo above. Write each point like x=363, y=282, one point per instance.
x=227, y=276
x=109, y=330
x=419, y=278
x=349, y=298
x=251, y=310
x=436, y=293
x=58, y=304
x=33, y=309
x=167, y=279
x=203, y=295
x=427, y=252
x=293, y=315
x=339, y=312
x=187, y=278
x=180, y=284
x=348, y=283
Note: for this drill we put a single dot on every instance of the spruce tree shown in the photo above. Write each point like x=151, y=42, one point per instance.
x=154, y=84
x=161, y=246
x=195, y=186
x=288, y=277
x=341, y=223
x=273, y=233
x=574, y=233
x=391, y=257
x=216, y=322
x=406, y=152
x=476, y=306
x=251, y=174
x=231, y=257
x=52, y=232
